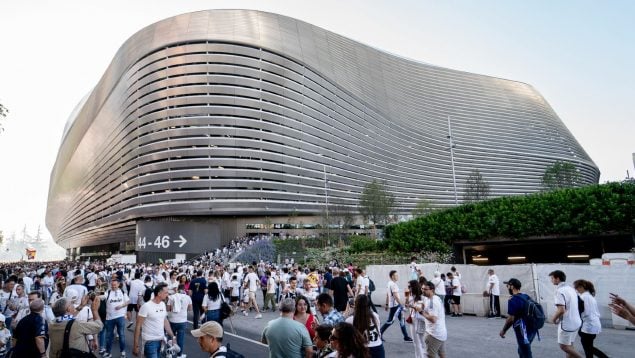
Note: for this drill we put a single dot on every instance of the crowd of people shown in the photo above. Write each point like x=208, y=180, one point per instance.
x=49, y=309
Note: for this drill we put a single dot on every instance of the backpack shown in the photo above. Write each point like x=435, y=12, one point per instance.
x=230, y=353
x=534, y=315
x=147, y=294
x=371, y=285
x=102, y=308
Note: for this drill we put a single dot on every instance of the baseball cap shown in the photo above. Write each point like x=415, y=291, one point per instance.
x=513, y=282
x=210, y=328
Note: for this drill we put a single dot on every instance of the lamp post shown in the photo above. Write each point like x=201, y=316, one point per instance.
x=326, y=199
x=452, y=145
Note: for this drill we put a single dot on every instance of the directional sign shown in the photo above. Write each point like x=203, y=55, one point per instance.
x=177, y=236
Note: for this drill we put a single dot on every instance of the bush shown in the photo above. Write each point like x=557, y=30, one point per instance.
x=364, y=244
x=607, y=208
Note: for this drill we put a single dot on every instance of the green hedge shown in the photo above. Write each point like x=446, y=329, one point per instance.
x=583, y=211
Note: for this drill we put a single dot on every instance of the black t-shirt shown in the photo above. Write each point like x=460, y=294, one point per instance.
x=29, y=327
x=340, y=293
x=198, y=286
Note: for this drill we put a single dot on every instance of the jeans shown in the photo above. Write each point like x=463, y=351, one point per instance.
x=214, y=315
x=102, y=338
x=398, y=310
x=377, y=352
x=524, y=349
x=196, y=312
x=179, y=330
x=110, y=335
x=152, y=349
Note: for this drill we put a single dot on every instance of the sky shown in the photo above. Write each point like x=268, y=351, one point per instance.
x=579, y=55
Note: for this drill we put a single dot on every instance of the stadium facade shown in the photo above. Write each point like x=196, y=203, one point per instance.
x=229, y=122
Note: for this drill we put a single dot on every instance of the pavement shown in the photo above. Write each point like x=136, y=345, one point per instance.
x=468, y=336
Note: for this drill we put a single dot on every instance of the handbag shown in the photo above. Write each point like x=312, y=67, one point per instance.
x=225, y=310
x=72, y=352
x=409, y=319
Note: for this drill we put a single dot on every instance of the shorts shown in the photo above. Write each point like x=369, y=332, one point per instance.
x=434, y=347
x=566, y=338
x=132, y=307
x=234, y=298
x=455, y=299
x=252, y=295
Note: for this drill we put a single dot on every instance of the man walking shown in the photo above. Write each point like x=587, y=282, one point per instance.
x=287, y=338
x=516, y=315
x=153, y=319
x=493, y=289
x=393, y=302
x=434, y=314
x=210, y=339
x=251, y=284
x=197, y=292
x=116, y=303
x=567, y=315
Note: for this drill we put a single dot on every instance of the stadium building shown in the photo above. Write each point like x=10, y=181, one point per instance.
x=223, y=123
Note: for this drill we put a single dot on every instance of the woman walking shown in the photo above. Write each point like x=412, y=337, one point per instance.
x=418, y=322
x=211, y=303
x=366, y=322
x=590, y=318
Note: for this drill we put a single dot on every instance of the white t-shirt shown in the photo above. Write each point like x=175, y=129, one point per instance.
x=252, y=281
x=91, y=278
x=434, y=306
x=153, y=325
x=136, y=288
x=210, y=304
x=456, y=284
x=181, y=316
x=373, y=335
x=493, y=279
x=28, y=282
x=113, y=300
x=439, y=286
x=393, y=290
x=81, y=291
x=235, y=284
x=362, y=284
x=591, y=315
x=567, y=297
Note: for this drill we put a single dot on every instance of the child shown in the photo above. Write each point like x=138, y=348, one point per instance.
x=235, y=290
x=5, y=336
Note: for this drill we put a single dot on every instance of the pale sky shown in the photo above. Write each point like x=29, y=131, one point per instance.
x=579, y=55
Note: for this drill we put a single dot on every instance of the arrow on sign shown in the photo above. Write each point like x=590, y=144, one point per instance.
x=181, y=241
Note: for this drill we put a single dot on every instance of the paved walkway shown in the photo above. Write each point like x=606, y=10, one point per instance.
x=468, y=336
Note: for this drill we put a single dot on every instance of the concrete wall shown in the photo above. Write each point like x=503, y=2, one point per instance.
x=534, y=278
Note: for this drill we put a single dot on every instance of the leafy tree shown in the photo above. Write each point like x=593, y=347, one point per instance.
x=376, y=203
x=476, y=188
x=3, y=114
x=560, y=175
x=423, y=208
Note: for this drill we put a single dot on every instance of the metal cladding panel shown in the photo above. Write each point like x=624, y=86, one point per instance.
x=238, y=112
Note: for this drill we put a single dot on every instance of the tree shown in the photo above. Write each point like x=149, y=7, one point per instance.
x=476, y=188
x=560, y=175
x=3, y=114
x=343, y=217
x=376, y=203
x=423, y=208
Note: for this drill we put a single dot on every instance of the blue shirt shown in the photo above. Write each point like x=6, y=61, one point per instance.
x=198, y=286
x=333, y=317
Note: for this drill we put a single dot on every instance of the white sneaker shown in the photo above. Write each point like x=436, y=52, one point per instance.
x=246, y=313
x=107, y=355
x=258, y=316
x=123, y=355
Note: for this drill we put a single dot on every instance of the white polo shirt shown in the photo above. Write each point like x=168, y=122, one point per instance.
x=567, y=297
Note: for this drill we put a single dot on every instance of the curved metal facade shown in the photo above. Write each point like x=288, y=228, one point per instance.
x=236, y=112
